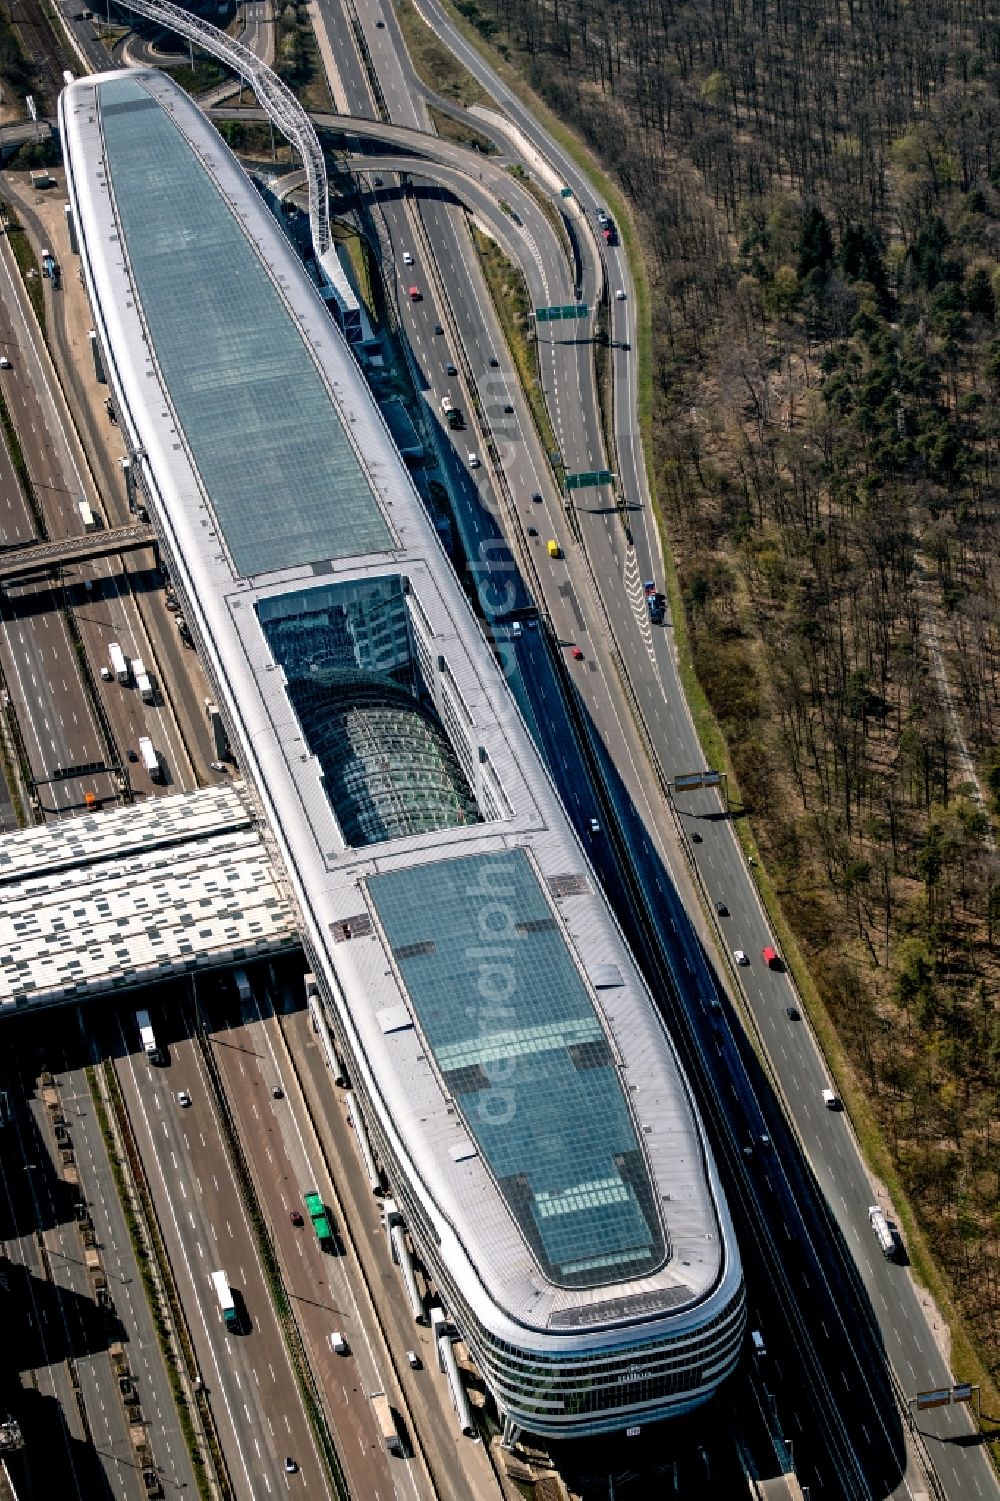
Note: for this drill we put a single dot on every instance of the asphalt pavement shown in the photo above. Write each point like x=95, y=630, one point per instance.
x=85, y=1447
x=620, y=567
x=248, y=1375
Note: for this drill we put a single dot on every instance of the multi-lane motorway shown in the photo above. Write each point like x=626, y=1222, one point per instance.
x=833, y=1310
x=59, y=1334
x=619, y=565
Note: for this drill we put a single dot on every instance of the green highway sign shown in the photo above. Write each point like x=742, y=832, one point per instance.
x=564, y=310
x=588, y=477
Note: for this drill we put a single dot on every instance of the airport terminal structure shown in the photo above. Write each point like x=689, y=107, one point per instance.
x=515, y=1077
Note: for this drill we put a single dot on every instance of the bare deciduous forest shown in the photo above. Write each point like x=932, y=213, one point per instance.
x=817, y=189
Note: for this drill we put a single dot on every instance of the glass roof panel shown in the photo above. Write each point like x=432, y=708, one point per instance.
x=522, y=1051
x=276, y=464
x=389, y=770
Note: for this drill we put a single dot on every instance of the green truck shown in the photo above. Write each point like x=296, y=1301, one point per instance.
x=316, y=1210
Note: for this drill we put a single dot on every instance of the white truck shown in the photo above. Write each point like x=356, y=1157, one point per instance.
x=880, y=1229
x=150, y=759
x=142, y=680
x=147, y=1037
x=119, y=666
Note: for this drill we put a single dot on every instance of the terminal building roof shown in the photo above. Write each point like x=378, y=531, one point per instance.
x=256, y=414
x=496, y=1020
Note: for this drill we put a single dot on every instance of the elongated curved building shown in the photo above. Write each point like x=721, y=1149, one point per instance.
x=515, y=1077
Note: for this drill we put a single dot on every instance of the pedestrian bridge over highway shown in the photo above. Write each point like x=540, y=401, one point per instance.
x=129, y=896
x=39, y=557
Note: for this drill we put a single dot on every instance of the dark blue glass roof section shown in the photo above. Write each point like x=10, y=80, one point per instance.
x=389, y=770
x=280, y=474
x=515, y=1034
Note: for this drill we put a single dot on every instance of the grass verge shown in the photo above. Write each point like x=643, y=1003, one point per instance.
x=147, y=1244
x=206, y=74
x=450, y=129
x=357, y=249
x=252, y=139
x=510, y=298
x=434, y=64
x=27, y=265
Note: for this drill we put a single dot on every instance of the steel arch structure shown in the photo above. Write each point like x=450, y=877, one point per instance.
x=285, y=111
x=275, y=97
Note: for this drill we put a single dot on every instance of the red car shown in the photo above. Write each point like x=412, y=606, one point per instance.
x=771, y=958
x=577, y=654
x=416, y=295
x=295, y=1217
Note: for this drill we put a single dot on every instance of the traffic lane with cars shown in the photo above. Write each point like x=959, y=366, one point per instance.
x=17, y=525
x=51, y=458
x=117, y=598
x=828, y=1335
x=316, y=1280
x=625, y=374
x=148, y=1372
x=85, y=1328
x=56, y=719
x=625, y=371
x=833, y=1155
x=462, y=1468
x=58, y=1459
x=250, y=1383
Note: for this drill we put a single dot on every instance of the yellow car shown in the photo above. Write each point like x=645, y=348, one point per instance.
x=555, y=551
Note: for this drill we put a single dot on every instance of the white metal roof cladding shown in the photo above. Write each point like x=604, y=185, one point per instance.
x=131, y=895
x=488, y=1256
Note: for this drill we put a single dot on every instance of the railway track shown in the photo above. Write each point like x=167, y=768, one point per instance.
x=46, y=50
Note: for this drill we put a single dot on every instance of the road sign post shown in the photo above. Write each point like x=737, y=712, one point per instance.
x=562, y=311
x=586, y=479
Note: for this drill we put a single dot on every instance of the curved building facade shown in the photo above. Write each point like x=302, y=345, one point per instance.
x=515, y=1077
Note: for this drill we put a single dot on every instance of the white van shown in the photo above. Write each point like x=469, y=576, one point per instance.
x=338, y=1343
x=757, y=1340
x=830, y=1100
